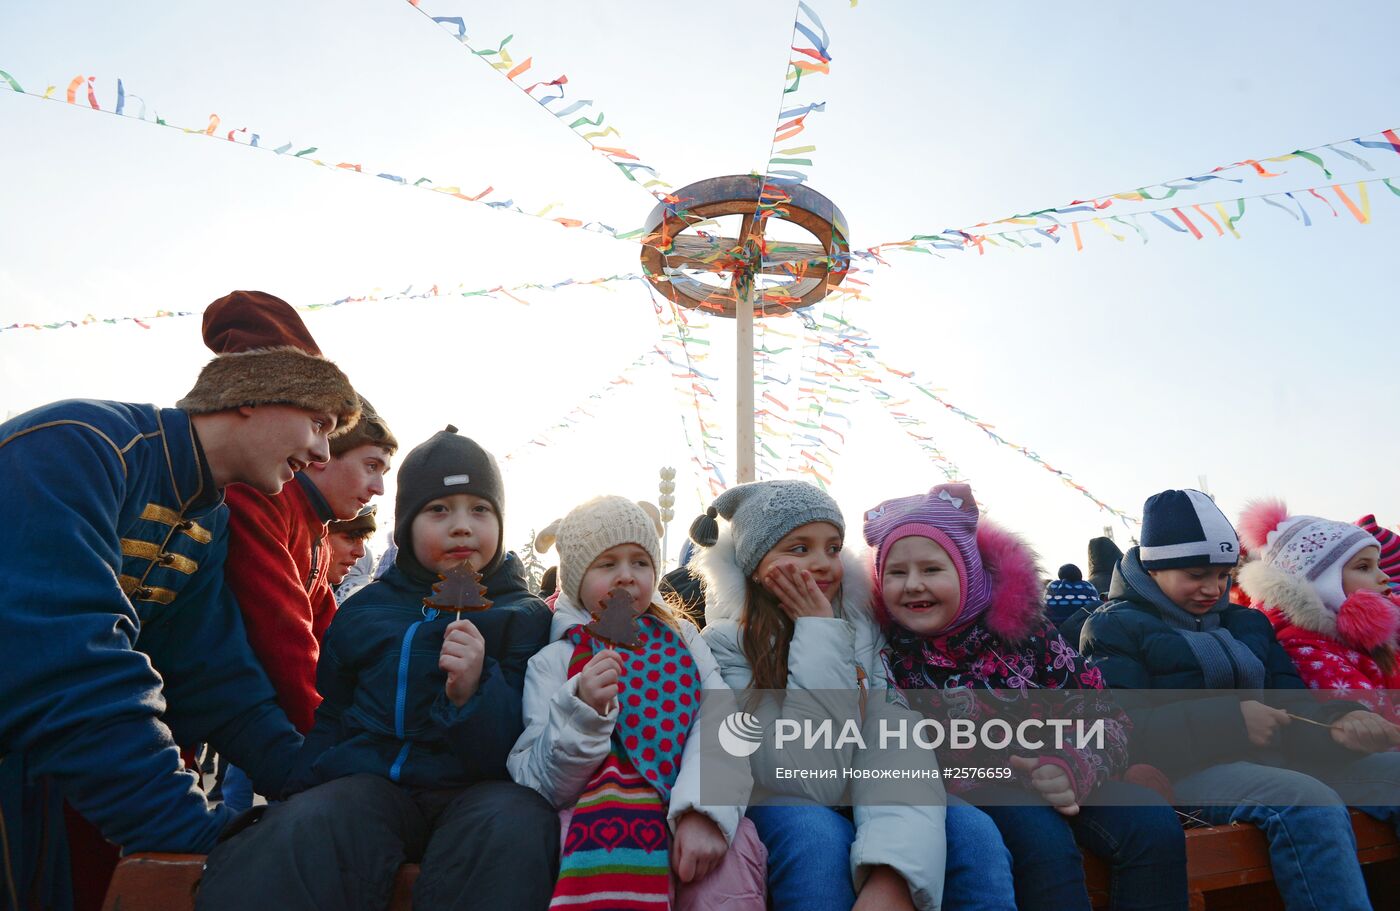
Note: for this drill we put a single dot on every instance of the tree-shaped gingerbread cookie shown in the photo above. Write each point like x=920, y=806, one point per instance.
x=617, y=623
x=460, y=591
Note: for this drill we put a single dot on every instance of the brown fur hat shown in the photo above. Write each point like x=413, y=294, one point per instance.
x=266, y=356
x=371, y=429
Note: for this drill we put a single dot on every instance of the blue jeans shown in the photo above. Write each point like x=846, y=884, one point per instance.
x=1312, y=847
x=1139, y=837
x=1372, y=785
x=978, y=876
x=809, y=857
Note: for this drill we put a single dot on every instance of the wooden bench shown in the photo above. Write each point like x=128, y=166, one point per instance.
x=1228, y=868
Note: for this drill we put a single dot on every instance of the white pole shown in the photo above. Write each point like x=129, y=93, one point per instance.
x=743, y=379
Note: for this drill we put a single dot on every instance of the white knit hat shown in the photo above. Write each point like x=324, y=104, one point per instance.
x=1313, y=549
x=593, y=527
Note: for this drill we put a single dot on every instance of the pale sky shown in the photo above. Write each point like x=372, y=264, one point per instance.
x=1262, y=364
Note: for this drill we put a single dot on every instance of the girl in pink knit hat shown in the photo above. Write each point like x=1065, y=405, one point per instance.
x=962, y=608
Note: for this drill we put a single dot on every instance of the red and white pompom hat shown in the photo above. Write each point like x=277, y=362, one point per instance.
x=1312, y=551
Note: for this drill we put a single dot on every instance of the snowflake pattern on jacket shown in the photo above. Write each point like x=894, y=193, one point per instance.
x=1326, y=664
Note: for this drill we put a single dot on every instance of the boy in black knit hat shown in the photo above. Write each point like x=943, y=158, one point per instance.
x=421, y=708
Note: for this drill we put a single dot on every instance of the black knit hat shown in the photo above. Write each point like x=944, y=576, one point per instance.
x=446, y=464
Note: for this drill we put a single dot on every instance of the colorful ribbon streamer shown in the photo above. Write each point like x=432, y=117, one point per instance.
x=860, y=339
x=1050, y=219
x=407, y=294
x=242, y=136
x=576, y=415
x=553, y=92
x=1199, y=220
x=678, y=327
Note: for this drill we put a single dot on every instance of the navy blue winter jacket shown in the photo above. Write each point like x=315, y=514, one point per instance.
x=385, y=710
x=1135, y=649
x=119, y=631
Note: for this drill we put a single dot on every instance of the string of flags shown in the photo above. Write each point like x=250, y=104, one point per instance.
x=582, y=411
x=787, y=166
x=684, y=350
x=375, y=296
x=861, y=341
x=553, y=95
x=244, y=136
x=1184, y=216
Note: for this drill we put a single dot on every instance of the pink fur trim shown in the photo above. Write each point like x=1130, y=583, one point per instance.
x=1367, y=620
x=1016, y=586
x=1260, y=517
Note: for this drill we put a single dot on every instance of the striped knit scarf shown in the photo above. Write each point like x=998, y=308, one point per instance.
x=617, y=849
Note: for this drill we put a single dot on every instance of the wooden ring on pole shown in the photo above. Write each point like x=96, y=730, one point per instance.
x=814, y=269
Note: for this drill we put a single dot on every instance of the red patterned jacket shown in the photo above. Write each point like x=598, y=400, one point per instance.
x=1331, y=651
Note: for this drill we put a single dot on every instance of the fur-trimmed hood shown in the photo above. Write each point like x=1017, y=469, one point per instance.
x=1364, y=621
x=717, y=567
x=1013, y=570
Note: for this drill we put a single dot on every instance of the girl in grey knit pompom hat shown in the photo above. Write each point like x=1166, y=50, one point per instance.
x=761, y=513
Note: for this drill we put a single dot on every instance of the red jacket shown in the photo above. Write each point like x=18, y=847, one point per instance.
x=1331, y=651
x=278, y=563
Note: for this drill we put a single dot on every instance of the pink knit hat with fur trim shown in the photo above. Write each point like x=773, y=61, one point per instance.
x=946, y=515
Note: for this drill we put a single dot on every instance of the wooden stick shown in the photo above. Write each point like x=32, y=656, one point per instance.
x=1308, y=720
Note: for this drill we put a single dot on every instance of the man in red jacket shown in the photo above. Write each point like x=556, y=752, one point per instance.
x=279, y=557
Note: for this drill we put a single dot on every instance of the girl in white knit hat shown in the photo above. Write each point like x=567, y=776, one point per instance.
x=611, y=737
x=1322, y=587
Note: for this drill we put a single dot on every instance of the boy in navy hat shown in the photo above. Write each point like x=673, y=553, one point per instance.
x=1169, y=625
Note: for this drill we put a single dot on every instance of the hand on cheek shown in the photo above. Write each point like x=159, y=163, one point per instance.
x=797, y=591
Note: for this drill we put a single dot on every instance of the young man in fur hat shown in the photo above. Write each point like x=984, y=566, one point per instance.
x=279, y=557
x=121, y=637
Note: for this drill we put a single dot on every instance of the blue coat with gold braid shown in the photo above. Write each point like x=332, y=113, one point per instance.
x=116, y=632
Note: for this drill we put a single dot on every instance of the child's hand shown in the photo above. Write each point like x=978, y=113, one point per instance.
x=797, y=591
x=462, y=652
x=884, y=890
x=1262, y=722
x=597, y=682
x=1365, y=732
x=1050, y=781
x=699, y=847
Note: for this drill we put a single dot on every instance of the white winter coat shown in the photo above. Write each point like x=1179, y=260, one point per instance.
x=836, y=663
x=565, y=740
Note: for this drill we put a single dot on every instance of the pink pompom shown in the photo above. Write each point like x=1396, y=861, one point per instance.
x=1367, y=620
x=1258, y=519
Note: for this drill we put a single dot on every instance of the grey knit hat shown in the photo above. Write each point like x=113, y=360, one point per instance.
x=591, y=528
x=763, y=512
